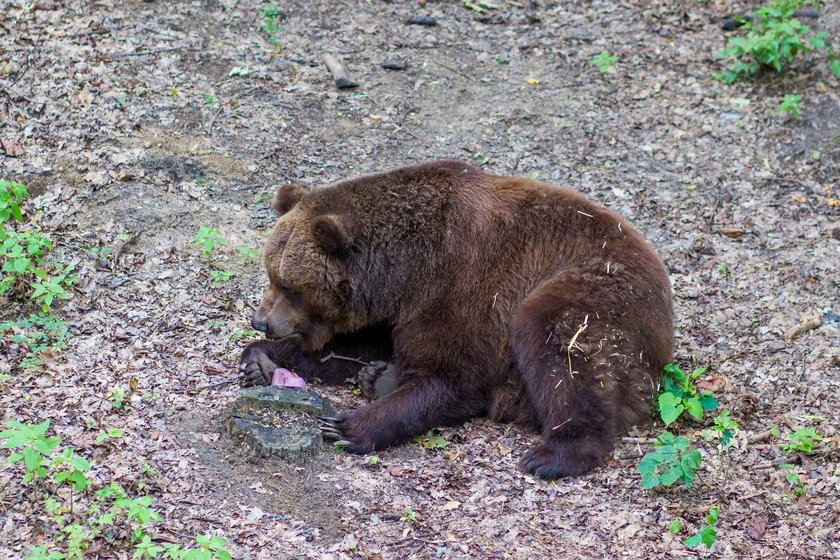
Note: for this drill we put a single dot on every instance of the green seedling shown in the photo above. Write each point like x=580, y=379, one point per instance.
x=247, y=254
x=410, y=515
x=219, y=276
x=604, y=61
x=708, y=533
x=803, y=441
x=790, y=105
x=672, y=459
x=11, y=197
x=679, y=394
x=208, y=239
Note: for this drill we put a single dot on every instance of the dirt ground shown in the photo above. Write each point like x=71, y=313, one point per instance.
x=139, y=122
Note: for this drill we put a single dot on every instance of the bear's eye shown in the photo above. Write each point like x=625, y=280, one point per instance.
x=289, y=292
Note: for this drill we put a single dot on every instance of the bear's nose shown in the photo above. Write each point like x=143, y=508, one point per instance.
x=259, y=325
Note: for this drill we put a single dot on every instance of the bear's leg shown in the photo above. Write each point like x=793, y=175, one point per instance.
x=418, y=405
x=582, y=373
x=341, y=358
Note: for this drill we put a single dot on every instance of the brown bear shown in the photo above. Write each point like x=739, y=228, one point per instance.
x=493, y=295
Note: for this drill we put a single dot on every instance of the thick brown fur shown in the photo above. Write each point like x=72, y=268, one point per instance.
x=505, y=297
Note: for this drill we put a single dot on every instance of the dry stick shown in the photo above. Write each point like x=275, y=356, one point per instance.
x=339, y=72
x=333, y=355
x=217, y=384
x=441, y=64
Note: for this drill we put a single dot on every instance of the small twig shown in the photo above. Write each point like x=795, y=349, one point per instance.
x=217, y=384
x=144, y=53
x=645, y=440
x=442, y=65
x=333, y=355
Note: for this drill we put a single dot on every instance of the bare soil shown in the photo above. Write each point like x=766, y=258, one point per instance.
x=152, y=119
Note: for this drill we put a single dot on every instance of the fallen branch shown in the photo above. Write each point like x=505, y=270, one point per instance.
x=339, y=72
x=333, y=355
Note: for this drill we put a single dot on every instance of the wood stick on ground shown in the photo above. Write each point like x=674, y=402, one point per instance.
x=332, y=356
x=339, y=72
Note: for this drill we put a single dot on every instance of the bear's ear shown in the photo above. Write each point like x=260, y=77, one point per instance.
x=286, y=198
x=333, y=233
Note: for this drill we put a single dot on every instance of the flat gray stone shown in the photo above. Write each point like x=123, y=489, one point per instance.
x=279, y=421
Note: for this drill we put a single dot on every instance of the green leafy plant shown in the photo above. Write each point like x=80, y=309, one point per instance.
x=803, y=440
x=116, y=397
x=672, y=459
x=78, y=520
x=790, y=105
x=271, y=22
x=219, y=276
x=726, y=428
x=36, y=333
x=773, y=38
x=242, y=333
x=679, y=394
x=675, y=526
x=208, y=239
x=604, y=61
x=431, y=441
x=708, y=532
x=248, y=254
x=22, y=253
x=795, y=480
x=410, y=515
x=34, y=446
x=11, y=197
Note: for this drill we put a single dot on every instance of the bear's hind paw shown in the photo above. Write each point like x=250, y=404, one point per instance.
x=555, y=460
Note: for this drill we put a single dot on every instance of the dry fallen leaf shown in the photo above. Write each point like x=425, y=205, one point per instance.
x=12, y=148
x=451, y=505
x=711, y=383
x=731, y=232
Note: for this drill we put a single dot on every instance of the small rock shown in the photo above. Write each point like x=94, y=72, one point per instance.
x=395, y=64
x=730, y=116
x=422, y=20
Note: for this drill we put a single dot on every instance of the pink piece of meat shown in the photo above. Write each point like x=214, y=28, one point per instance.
x=287, y=378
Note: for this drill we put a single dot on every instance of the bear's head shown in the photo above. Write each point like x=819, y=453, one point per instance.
x=309, y=294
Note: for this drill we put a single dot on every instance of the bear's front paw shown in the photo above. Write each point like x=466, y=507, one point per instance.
x=343, y=431
x=255, y=367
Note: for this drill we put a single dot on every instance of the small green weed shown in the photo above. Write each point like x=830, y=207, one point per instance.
x=208, y=239
x=795, y=480
x=726, y=429
x=790, y=105
x=247, y=254
x=36, y=333
x=117, y=398
x=803, y=440
x=675, y=526
x=672, y=459
x=219, y=276
x=271, y=23
x=604, y=61
x=430, y=441
x=679, y=394
x=773, y=38
x=410, y=515
x=708, y=532
x=11, y=197
x=242, y=333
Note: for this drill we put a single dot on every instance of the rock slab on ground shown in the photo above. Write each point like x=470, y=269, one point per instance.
x=279, y=421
